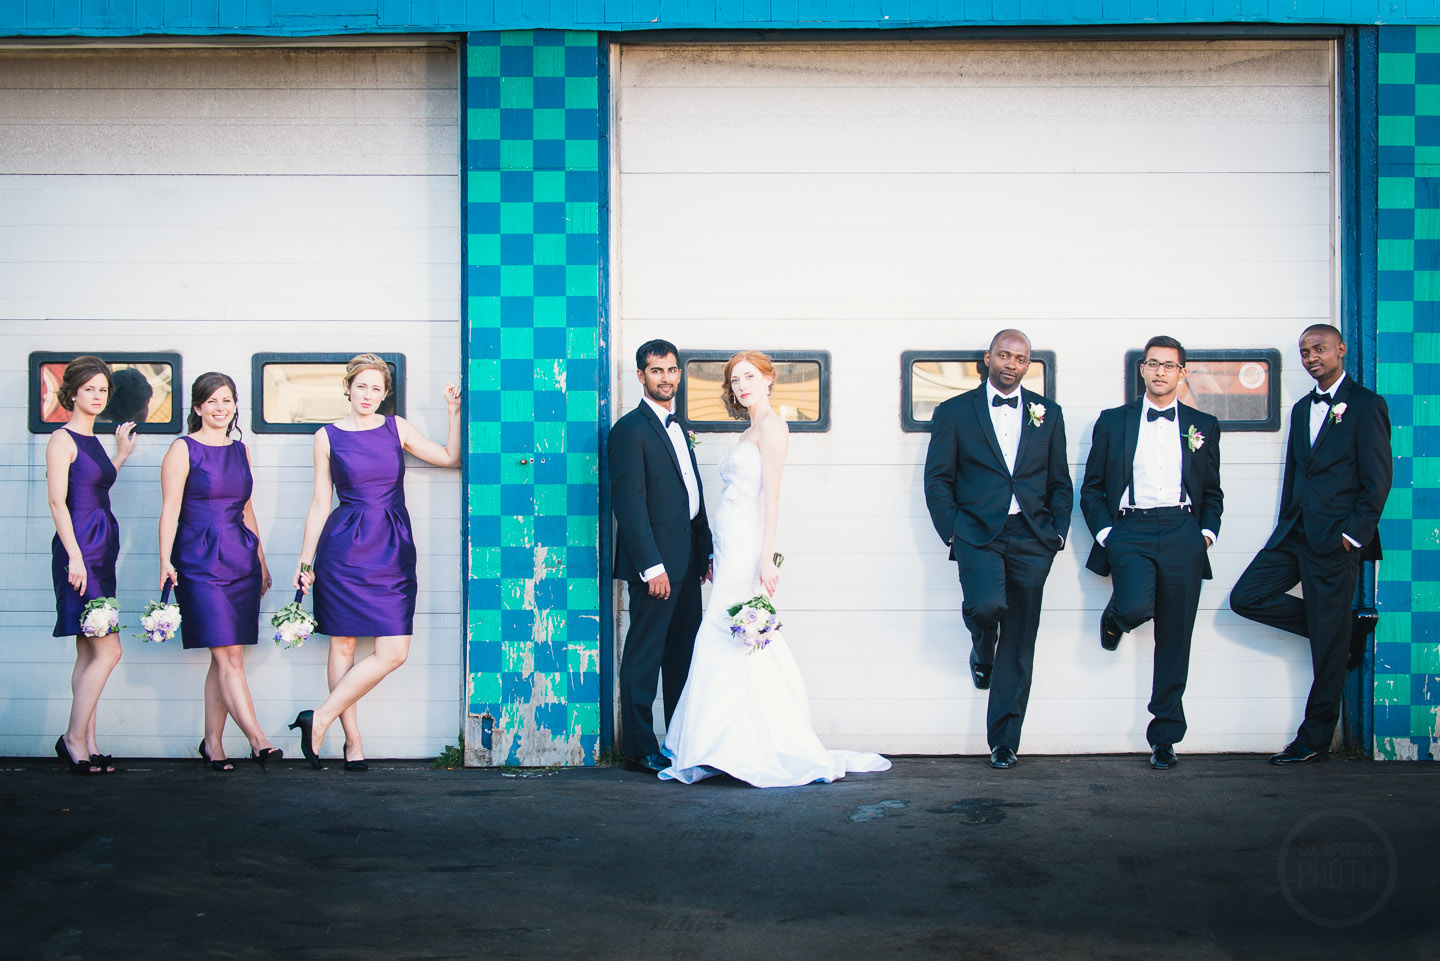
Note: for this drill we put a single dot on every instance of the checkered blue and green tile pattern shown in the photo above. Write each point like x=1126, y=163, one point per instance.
x=1407, y=642
x=532, y=150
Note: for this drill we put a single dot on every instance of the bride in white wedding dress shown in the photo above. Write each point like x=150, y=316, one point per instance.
x=741, y=713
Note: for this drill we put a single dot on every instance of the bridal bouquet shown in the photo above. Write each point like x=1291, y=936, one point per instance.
x=101, y=617
x=292, y=622
x=755, y=622
x=161, y=619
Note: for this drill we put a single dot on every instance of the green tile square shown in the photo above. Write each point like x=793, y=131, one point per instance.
x=550, y=373
x=517, y=656
x=484, y=688
x=1397, y=68
x=484, y=437
x=484, y=502
x=517, y=218
x=517, y=154
x=1425, y=595
x=551, y=685
x=580, y=38
x=484, y=626
x=549, y=62
x=482, y=123
x=1423, y=536
x=520, y=532
x=482, y=61
x=581, y=343
x=517, y=343
x=1424, y=658
x=582, y=405
x=583, y=718
x=1392, y=689
x=1393, y=379
x=550, y=437
x=582, y=92
x=549, y=124
x=483, y=374
x=1402, y=444
x=517, y=38
x=484, y=561
x=550, y=500
x=484, y=249
x=549, y=186
x=582, y=155
x=1427, y=40
x=1423, y=718
x=582, y=594
x=582, y=658
x=582, y=469
x=1425, y=411
x=1427, y=99
x=517, y=407
x=1394, y=626
x=582, y=217
x=1397, y=131
x=511, y=717
x=517, y=280
x=550, y=250
x=517, y=93
x=483, y=312
x=1427, y=162
x=1396, y=255
x=582, y=281
x=1427, y=348
x=548, y=311
x=514, y=472
x=1397, y=193
x=1427, y=224
x=585, y=532
x=1398, y=506
x=1395, y=316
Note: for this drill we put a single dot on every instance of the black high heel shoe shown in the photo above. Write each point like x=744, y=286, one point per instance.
x=356, y=765
x=76, y=767
x=269, y=754
x=305, y=722
x=104, y=762
x=224, y=764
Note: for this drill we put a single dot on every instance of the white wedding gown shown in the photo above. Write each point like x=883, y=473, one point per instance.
x=744, y=714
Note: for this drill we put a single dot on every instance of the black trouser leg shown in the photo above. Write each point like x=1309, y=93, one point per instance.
x=652, y=624
x=1328, y=582
x=1026, y=563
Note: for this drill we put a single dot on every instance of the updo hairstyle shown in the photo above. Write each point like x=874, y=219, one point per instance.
x=77, y=374
x=362, y=362
x=762, y=363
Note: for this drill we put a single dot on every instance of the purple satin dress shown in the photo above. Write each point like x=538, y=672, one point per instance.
x=215, y=555
x=96, y=531
x=365, y=563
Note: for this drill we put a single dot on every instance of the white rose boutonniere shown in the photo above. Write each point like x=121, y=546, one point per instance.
x=1337, y=412
x=1037, y=414
x=1194, y=438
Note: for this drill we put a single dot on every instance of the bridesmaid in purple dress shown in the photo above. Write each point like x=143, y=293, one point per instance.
x=210, y=551
x=78, y=476
x=363, y=552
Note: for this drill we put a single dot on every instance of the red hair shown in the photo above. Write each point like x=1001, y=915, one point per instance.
x=762, y=363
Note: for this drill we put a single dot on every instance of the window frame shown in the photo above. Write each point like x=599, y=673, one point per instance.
x=178, y=404
x=258, y=363
x=1134, y=387
x=908, y=358
x=818, y=426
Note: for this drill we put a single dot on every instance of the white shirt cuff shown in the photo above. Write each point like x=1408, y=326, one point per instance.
x=1100, y=537
x=1353, y=541
x=1210, y=534
x=650, y=573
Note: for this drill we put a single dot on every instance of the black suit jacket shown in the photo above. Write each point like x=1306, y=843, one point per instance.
x=1110, y=469
x=968, y=488
x=647, y=493
x=1338, y=485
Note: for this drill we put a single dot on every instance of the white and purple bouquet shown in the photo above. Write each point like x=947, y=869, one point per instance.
x=161, y=619
x=101, y=617
x=292, y=622
x=755, y=622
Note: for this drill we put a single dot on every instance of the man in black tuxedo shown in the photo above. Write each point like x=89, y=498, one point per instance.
x=662, y=547
x=1338, y=470
x=998, y=488
x=1152, y=498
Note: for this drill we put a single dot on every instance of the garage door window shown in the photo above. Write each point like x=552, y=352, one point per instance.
x=930, y=377
x=801, y=393
x=1240, y=387
x=143, y=391
x=294, y=392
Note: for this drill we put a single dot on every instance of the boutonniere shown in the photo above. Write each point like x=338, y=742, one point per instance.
x=1037, y=414
x=1337, y=412
x=691, y=439
x=1194, y=438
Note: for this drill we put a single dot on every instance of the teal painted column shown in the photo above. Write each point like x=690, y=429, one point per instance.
x=1407, y=642
x=532, y=157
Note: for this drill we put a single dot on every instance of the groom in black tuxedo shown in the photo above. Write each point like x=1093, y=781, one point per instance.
x=1338, y=471
x=662, y=547
x=998, y=487
x=1152, y=498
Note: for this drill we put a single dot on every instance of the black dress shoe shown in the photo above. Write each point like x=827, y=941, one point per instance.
x=650, y=763
x=356, y=765
x=1110, y=632
x=1002, y=757
x=980, y=673
x=1361, y=627
x=305, y=722
x=1162, y=757
x=1297, y=753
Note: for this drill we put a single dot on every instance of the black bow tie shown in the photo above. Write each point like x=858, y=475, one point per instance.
x=998, y=401
x=1153, y=415
x=671, y=419
x=1318, y=398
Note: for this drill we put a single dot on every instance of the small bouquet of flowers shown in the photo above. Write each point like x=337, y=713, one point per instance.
x=161, y=619
x=292, y=622
x=101, y=617
x=755, y=622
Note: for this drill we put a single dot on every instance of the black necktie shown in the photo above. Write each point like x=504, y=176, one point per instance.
x=1153, y=415
x=671, y=419
x=998, y=401
x=1318, y=398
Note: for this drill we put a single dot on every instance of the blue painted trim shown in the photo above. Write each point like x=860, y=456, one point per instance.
x=462, y=49
x=607, y=583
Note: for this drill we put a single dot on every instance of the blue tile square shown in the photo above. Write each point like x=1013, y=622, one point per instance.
x=581, y=61
x=484, y=593
x=582, y=562
x=483, y=218
x=546, y=659
x=1425, y=565
x=482, y=93
x=551, y=717
x=484, y=469
x=550, y=528
x=549, y=93
x=581, y=312
x=550, y=282
x=582, y=438
x=585, y=687
x=485, y=404
x=582, y=185
x=549, y=155
x=517, y=498
x=582, y=123
x=516, y=625
x=517, y=249
x=584, y=631
x=550, y=594
x=482, y=155
x=483, y=280
x=549, y=406
x=487, y=533
x=550, y=470
x=517, y=61
x=518, y=439
x=1392, y=658
x=1424, y=689
x=1396, y=225
x=1396, y=284
x=550, y=218
x=1397, y=99
x=582, y=250
x=517, y=124
x=516, y=311
x=517, y=186
x=516, y=375
x=1396, y=156
x=516, y=561
x=484, y=656
x=1427, y=68
x=1397, y=39
x=583, y=500
x=549, y=343
x=582, y=373
x=1392, y=720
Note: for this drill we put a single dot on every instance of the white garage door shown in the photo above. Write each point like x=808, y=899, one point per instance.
x=869, y=199
x=222, y=202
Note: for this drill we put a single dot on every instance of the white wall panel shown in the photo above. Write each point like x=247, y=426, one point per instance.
x=221, y=203
x=871, y=198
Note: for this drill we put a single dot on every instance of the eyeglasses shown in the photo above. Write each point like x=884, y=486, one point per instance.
x=1168, y=366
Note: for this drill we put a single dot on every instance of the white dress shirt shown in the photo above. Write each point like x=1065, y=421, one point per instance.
x=1155, y=473
x=1007, y=422
x=682, y=454
x=1318, y=413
